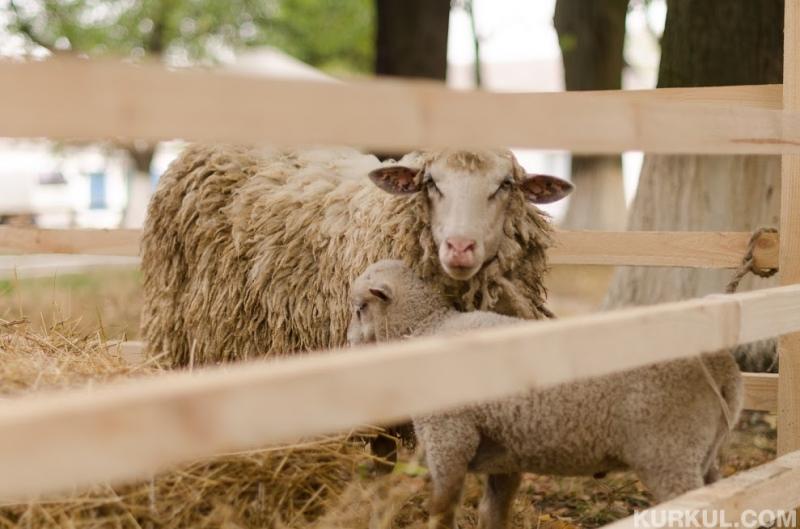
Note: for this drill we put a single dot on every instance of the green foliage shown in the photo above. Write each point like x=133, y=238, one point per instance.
x=334, y=35
x=330, y=34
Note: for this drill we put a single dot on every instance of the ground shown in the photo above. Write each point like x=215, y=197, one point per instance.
x=69, y=320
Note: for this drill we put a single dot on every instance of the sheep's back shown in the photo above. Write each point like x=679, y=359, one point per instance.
x=251, y=253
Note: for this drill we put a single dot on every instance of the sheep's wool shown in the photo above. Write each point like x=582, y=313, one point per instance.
x=250, y=253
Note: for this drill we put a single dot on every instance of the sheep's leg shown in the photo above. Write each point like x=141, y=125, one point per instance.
x=672, y=458
x=711, y=464
x=666, y=482
x=497, y=499
x=444, y=501
x=450, y=445
x=386, y=445
x=384, y=448
x=712, y=474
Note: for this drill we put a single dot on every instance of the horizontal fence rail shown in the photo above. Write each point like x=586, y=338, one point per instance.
x=662, y=248
x=70, y=241
x=761, y=392
x=652, y=248
x=760, y=389
x=128, y=430
x=149, y=102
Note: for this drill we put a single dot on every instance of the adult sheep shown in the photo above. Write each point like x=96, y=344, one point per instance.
x=251, y=253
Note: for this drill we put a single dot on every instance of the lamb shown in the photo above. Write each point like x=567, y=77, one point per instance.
x=666, y=421
x=250, y=252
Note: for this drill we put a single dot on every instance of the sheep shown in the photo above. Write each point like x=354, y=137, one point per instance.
x=249, y=252
x=666, y=421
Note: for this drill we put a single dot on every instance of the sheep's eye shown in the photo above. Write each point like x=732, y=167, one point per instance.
x=360, y=310
x=430, y=184
x=505, y=186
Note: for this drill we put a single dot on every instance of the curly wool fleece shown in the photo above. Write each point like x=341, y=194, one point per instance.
x=250, y=253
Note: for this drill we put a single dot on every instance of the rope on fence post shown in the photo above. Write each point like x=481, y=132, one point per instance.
x=749, y=263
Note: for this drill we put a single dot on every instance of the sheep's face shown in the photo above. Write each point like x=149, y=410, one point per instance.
x=387, y=301
x=370, y=300
x=468, y=193
x=367, y=308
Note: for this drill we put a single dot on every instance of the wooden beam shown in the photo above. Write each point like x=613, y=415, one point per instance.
x=760, y=391
x=130, y=429
x=690, y=249
x=101, y=99
x=789, y=345
x=134, y=352
x=96, y=242
x=661, y=248
x=751, y=96
x=50, y=265
x=774, y=486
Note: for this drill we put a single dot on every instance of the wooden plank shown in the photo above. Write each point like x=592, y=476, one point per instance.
x=760, y=391
x=789, y=345
x=690, y=249
x=95, y=242
x=774, y=486
x=130, y=429
x=150, y=103
x=645, y=248
x=133, y=352
x=755, y=96
x=50, y=265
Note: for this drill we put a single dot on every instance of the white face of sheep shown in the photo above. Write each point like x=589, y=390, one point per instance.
x=369, y=302
x=469, y=202
x=379, y=302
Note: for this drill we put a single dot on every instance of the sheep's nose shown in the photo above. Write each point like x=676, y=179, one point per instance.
x=460, y=245
x=460, y=252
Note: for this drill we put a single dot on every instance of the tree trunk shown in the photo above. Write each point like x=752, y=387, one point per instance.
x=592, y=36
x=411, y=38
x=709, y=43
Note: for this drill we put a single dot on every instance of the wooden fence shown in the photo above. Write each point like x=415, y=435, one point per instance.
x=110, y=433
x=51, y=442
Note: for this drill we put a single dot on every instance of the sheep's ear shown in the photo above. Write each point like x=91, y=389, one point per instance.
x=396, y=179
x=382, y=292
x=543, y=189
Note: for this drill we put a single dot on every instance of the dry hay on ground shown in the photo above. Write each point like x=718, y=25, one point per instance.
x=321, y=484
x=108, y=301
x=262, y=488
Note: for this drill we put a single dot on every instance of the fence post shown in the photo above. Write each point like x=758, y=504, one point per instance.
x=789, y=259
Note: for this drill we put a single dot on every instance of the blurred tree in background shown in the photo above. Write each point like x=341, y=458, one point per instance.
x=592, y=36
x=708, y=43
x=334, y=35
x=328, y=34
x=411, y=39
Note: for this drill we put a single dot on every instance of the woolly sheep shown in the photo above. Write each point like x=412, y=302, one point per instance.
x=664, y=421
x=251, y=252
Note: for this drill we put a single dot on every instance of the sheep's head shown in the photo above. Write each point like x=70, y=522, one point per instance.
x=388, y=301
x=469, y=195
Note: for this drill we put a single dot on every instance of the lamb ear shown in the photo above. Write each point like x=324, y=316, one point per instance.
x=382, y=292
x=396, y=179
x=544, y=189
